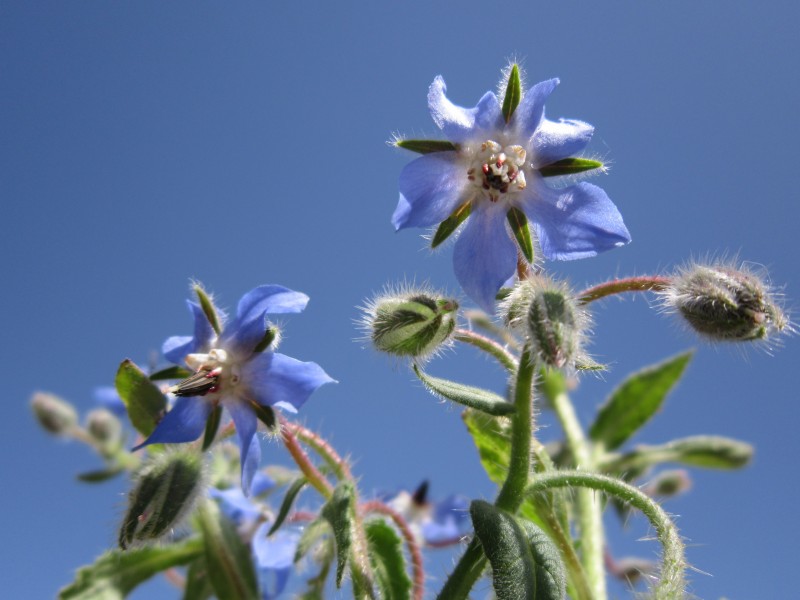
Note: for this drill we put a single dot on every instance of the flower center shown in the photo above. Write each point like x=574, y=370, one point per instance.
x=497, y=170
x=212, y=371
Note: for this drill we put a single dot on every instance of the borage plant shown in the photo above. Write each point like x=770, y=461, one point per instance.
x=202, y=509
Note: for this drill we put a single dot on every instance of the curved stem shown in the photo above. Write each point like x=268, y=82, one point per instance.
x=324, y=449
x=671, y=584
x=488, y=345
x=417, y=568
x=315, y=478
x=646, y=283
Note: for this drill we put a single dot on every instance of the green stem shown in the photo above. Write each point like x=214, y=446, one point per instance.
x=473, y=561
x=488, y=345
x=589, y=508
x=671, y=583
x=647, y=283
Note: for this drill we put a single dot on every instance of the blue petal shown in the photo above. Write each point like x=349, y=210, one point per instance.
x=556, y=140
x=484, y=256
x=261, y=483
x=108, y=397
x=184, y=423
x=431, y=187
x=249, y=447
x=530, y=111
x=450, y=521
x=235, y=505
x=176, y=348
x=460, y=124
x=575, y=222
x=274, y=559
x=275, y=379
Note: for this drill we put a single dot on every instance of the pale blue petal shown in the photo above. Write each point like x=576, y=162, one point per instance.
x=431, y=188
x=484, y=256
x=576, y=222
x=450, y=521
x=108, y=397
x=460, y=124
x=274, y=559
x=261, y=483
x=277, y=379
x=249, y=447
x=270, y=299
x=530, y=111
x=235, y=505
x=184, y=423
x=176, y=348
x=555, y=140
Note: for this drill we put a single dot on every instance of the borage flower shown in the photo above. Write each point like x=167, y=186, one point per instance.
x=437, y=524
x=236, y=368
x=493, y=171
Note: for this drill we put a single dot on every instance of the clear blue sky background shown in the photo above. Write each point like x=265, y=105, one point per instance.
x=147, y=143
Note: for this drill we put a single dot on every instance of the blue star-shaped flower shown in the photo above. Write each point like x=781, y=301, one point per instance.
x=495, y=168
x=232, y=372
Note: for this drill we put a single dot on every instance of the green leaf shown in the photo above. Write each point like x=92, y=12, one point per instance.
x=313, y=533
x=144, y=401
x=506, y=546
x=708, y=451
x=569, y=166
x=473, y=397
x=209, y=310
x=265, y=414
x=386, y=555
x=117, y=572
x=170, y=373
x=100, y=474
x=513, y=93
x=212, y=425
x=634, y=402
x=492, y=437
x=228, y=559
x=551, y=578
x=288, y=501
x=198, y=587
x=339, y=512
x=451, y=223
x=522, y=232
x=426, y=146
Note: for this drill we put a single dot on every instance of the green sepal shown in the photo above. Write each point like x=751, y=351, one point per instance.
x=513, y=93
x=209, y=310
x=144, y=401
x=173, y=372
x=634, y=402
x=100, y=475
x=386, y=556
x=269, y=336
x=522, y=232
x=265, y=414
x=288, y=501
x=569, y=166
x=197, y=587
x=466, y=395
x=451, y=223
x=339, y=512
x=228, y=559
x=426, y=146
x=706, y=451
x=212, y=425
x=114, y=574
x=506, y=546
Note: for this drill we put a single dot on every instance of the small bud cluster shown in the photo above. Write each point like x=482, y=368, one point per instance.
x=410, y=323
x=546, y=314
x=54, y=414
x=725, y=303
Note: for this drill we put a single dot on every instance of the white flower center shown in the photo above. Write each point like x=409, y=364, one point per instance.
x=496, y=169
x=212, y=371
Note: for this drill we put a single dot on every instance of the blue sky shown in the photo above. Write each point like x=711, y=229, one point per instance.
x=147, y=143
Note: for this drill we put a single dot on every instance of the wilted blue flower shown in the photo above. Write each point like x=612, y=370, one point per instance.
x=495, y=169
x=233, y=371
x=436, y=523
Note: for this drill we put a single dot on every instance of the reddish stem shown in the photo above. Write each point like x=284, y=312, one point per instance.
x=315, y=478
x=646, y=283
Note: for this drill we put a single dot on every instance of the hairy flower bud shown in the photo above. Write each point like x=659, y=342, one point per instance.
x=54, y=414
x=166, y=489
x=725, y=303
x=668, y=484
x=105, y=428
x=546, y=314
x=411, y=323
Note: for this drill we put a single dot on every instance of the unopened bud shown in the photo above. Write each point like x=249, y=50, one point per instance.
x=104, y=427
x=546, y=314
x=54, y=414
x=412, y=323
x=166, y=490
x=725, y=303
x=668, y=484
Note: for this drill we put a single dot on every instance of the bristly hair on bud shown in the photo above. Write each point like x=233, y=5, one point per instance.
x=726, y=302
x=409, y=321
x=165, y=491
x=545, y=313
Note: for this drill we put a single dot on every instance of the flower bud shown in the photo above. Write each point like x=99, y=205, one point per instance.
x=726, y=304
x=546, y=314
x=412, y=323
x=166, y=489
x=668, y=484
x=105, y=428
x=54, y=414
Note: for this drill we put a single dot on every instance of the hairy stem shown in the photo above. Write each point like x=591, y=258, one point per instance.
x=315, y=478
x=646, y=283
x=488, y=345
x=337, y=464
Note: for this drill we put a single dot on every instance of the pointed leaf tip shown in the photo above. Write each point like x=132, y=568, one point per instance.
x=513, y=93
x=569, y=166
